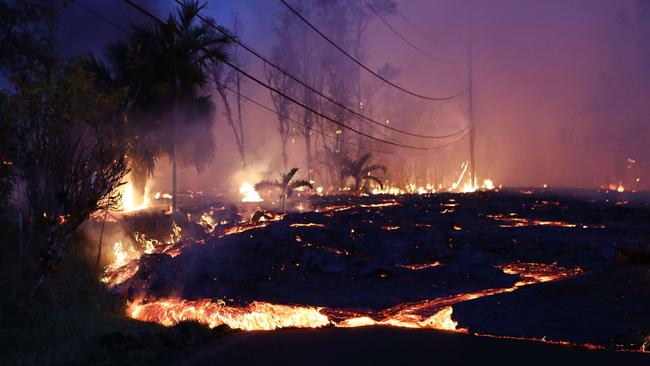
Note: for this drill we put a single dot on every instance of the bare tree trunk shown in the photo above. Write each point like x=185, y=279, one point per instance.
x=175, y=148
x=174, y=183
x=229, y=117
x=284, y=135
x=101, y=236
x=241, y=145
x=21, y=239
x=309, y=155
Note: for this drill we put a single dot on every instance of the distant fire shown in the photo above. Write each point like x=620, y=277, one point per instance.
x=129, y=201
x=249, y=194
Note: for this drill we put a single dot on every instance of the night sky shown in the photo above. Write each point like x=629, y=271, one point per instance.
x=562, y=97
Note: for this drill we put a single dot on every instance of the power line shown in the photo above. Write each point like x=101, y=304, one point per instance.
x=348, y=55
x=398, y=34
x=263, y=106
x=320, y=132
x=100, y=16
x=412, y=24
x=256, y=80
x=234, y=39
x=266, y=86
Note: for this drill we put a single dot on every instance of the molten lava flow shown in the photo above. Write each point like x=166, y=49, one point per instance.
x=339, y=208
x=539, y=272
x=266, y=316
x=433, y=314
x=256, y=316
x=306, y=225
x=249, y=193
x=417, y=267
x=512, y=220
x=441, y=320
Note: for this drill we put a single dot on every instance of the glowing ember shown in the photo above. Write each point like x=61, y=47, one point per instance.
x=306, y=225
x=513, y=221
x=539, y=272
x=390, y=228
x=249, y=193
x=417, y=267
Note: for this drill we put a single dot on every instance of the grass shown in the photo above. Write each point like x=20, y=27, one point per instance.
x=73, y=320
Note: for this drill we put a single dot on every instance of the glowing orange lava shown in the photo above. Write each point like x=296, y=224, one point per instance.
x=433, y=314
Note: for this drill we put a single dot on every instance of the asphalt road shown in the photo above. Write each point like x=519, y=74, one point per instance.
x=391, y=346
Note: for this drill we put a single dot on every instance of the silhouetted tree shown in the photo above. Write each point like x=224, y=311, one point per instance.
x=232, y=79
x=165, y=73
x=361, y=172
x=70, y=158
x=285, y=184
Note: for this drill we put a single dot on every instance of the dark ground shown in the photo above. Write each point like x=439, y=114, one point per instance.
x=352, y=261
x=391, y=346
x=74, y=320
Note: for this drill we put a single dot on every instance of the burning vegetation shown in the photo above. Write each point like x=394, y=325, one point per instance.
x=340, y=237
x=368, y=202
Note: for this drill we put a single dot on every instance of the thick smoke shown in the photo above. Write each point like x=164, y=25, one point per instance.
x=561, y=90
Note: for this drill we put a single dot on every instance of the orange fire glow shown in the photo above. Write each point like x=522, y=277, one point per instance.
x=433, y=314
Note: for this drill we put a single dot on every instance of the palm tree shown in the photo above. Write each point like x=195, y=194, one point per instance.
x=164, y=67
x=362, y=173
x=285, y=185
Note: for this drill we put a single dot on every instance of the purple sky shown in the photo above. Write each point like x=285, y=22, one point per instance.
x=560, y=97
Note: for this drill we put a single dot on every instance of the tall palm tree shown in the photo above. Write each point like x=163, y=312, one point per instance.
x=362, y=172
x=285, y=185
x=165, y=68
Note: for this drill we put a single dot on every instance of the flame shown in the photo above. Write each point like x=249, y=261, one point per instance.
x=124, y=264
x=249, y=193
x=128, y=198
x=429, y=188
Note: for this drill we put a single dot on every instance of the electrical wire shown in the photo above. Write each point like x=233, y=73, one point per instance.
x=269, y=87
x=234, y=39
x=348, y=55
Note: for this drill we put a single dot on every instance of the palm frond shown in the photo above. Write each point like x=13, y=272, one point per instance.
x=286, y=178
x=267, y=184
x=298, y=184
x=376, y=180
x=372, y=168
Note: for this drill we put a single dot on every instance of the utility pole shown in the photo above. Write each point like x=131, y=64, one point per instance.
x=472, y=122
